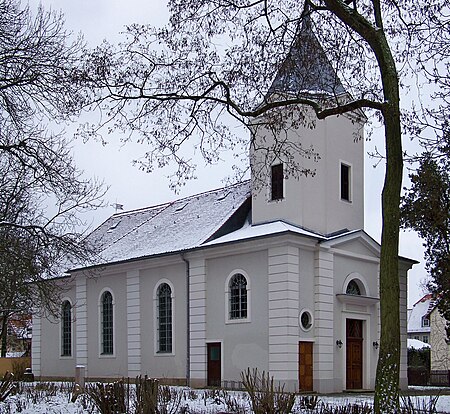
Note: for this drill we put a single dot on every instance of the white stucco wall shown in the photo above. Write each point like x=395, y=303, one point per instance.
x=314, y=201
x=286, y=274
x=153, y=363
x=49, y=329
x=244, y=343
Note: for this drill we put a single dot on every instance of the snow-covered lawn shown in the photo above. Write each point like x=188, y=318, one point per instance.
x=57, y=401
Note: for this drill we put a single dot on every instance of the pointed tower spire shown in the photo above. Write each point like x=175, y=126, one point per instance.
x=306, y=69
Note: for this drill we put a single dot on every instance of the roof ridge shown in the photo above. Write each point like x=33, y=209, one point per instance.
x=428, y=296
x=164, y=207
x=225, y=220
x=168, y=203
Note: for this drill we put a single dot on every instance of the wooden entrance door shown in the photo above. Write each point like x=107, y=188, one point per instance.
x=214, y=364
x=354, y=354
x=305, y=366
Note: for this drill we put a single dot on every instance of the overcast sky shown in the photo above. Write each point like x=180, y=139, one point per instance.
x=106, y=19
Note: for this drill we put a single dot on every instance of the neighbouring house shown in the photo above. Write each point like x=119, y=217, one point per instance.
x=427, y=324
x=18, y=337
x=419, y=319
x=274, y=273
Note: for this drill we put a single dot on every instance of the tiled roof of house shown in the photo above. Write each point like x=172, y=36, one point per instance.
x=171, y=227
x=306, y=69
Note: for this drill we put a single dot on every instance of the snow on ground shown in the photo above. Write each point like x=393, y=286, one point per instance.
x=195, y=401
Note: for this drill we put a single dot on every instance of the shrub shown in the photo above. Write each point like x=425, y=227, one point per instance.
x=309, y=402
x=6, y=386
x=18, y=368
x=169, y=400
x=409, y=406
x=265, y=397
x=146, y=395
x=108, y=398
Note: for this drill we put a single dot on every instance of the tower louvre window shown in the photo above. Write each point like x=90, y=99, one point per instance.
x=277, y=182
x=345, y=182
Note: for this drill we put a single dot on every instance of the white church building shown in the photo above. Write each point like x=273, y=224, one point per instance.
x=275, y=274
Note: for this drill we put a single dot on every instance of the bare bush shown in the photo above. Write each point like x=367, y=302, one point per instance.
x=265, y=397
x=6, y=386
x=108, y=398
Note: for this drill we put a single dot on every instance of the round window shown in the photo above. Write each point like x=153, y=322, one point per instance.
x=306, y=320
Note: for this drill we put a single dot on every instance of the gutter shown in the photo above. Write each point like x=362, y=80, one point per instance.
x=188, y=322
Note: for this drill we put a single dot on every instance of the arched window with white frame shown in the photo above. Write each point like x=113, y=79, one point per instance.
x=237, y=297
x=66, y=329
x=164, y=315
x=106, y=323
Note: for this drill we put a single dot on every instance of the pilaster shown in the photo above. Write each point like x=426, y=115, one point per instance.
x=283, y=278
x=133, y=323
x=197, y=322
x=403, y=328
x=36, y=346
x=81, y=348
x=324, y=346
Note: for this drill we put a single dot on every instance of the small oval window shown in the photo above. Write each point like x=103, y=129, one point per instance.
x=306, y=320
x=353, y=288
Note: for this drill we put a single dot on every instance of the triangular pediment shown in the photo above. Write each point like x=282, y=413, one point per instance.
x=357, y=242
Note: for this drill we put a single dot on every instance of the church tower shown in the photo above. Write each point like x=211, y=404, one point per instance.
x=330, y=198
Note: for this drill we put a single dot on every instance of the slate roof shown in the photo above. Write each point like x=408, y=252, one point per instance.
x=306, y=69
x=171, y=227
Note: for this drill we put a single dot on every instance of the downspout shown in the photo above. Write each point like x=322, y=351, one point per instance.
x=188, y=323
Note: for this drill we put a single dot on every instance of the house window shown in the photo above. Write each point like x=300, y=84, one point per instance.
x=425, y=321
x=107, y=324
x=277, y=182
x=164, y=318
x=238, y=297
x=66, y=329
x=353, y=288
x=345, y=182
x=425, y=339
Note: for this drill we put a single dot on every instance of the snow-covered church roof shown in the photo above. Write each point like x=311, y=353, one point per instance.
x=170, y=227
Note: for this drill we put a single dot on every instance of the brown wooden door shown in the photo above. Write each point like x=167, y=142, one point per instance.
x=305, y=366
x=354, y=352
x=214, y=364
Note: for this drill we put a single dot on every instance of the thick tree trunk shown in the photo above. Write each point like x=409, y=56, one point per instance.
x=388, y=368
x=4, y=335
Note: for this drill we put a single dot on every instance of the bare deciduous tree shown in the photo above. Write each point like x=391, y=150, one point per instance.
x=41, y=190
x=218, y=60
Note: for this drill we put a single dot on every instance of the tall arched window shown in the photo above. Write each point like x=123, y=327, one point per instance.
x=66, y=329
x=164, y=297
x=107, y=324
x=238, y=297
